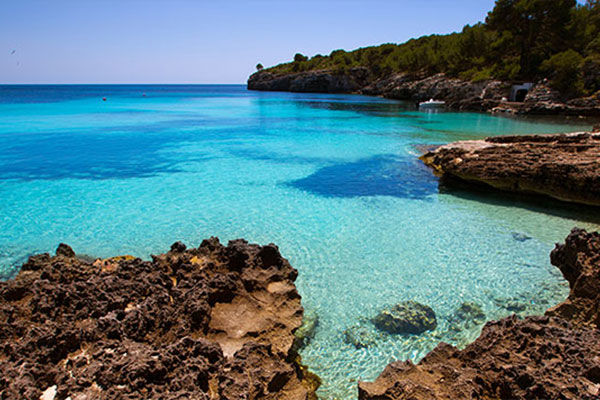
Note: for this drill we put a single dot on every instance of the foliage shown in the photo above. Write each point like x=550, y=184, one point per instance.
x=523, y=40
x=259, y=67
x=565, y=72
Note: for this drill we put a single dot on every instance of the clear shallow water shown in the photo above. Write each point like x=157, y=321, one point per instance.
x=333, y=180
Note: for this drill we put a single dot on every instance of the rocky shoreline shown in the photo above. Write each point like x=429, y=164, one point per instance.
x=213, y=322
x=226, y=322
x=556, y=356
x=458, y=94
x=565, y=166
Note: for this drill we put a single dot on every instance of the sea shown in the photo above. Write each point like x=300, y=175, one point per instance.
x=333, y=180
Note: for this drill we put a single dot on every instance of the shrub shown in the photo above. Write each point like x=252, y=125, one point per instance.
x=565, y=74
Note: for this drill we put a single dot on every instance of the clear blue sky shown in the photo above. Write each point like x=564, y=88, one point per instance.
x=198, y=41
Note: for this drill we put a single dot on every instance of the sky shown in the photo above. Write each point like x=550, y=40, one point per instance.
x=198, y=41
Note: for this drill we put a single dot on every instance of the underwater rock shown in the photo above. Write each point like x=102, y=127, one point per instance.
x=556, y=356
x=565, y=166
x=306, y=332
x=202, y=323
x=406, y=317
x=359, y=336
x=513, y=304
x=468, y=314
x=521, y=237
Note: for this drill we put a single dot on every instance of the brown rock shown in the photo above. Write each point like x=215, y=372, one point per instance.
x=565, y=167
x=551, y=357
x=203, y=323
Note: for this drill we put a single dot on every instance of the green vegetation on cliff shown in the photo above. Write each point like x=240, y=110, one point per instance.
x=520, y=40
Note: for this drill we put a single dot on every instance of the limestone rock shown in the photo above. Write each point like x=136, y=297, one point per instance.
x=563, y=166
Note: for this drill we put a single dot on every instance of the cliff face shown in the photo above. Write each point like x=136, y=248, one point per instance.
x=565, y=167
x=457, y=93
x=556, y=356
x=213, y=322
x=314, y=81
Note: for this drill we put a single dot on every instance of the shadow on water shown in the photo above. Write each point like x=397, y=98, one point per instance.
x=383, y=175
x=374, y=108
x=536, y=203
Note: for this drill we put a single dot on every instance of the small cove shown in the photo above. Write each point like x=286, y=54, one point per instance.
x=333, y=180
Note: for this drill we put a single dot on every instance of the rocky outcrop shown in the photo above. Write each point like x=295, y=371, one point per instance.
x=312, y=81
x=407, y=317
x=543, y=100
x=459, y=94
x=213, y=322
x=556, y=356
x=565, y=167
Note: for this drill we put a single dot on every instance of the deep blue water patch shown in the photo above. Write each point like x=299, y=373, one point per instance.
x=384, y=175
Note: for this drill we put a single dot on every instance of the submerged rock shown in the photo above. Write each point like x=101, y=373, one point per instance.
x=556, y=356
x=213, y=322
x=521, y=237
x=306, y=332
x=360, y=336
x=406, y=317
x=565, y=167
x=469, y=313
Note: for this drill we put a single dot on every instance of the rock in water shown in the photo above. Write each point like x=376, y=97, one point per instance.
x=556, y=356
x=213, y=322
x=406, y=317
x=359, y=336
x=306, y=332
x=565, y=167
x=468, y=314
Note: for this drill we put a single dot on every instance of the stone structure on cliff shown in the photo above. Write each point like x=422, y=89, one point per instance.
x=213, y=322
x=556, y=356
x=565, y=167
x=459, y=94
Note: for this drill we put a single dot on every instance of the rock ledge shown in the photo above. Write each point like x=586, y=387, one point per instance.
x=564, y=166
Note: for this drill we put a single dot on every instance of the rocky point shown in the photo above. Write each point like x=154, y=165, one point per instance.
x=213, y=322
x=564, y=166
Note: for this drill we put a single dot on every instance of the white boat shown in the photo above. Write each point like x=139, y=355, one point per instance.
x=432, y=104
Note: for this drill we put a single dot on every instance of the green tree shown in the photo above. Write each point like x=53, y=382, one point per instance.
x=259, y=67
x=538, y=26
x=565, y=72
x=300, y=57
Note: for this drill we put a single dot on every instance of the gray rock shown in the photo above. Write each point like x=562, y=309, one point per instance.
x=406, y=317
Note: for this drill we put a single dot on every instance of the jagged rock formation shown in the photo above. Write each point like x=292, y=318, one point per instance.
x=212, y=322
x=458, y=94
x=565, y=167
x=556, y=356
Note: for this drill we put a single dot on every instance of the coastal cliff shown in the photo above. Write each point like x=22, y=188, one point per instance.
x=565, y=166
x=459, y=94
x=556, y=356
x=213, y=322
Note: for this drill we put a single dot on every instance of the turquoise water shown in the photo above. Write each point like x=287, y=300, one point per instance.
x=333, y=180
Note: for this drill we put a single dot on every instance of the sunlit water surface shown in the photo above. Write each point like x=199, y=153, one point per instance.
x=333, y=180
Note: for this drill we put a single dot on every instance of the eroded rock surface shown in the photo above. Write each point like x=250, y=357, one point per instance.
x=213, y=322
x=565, y=166
x=556, y=356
